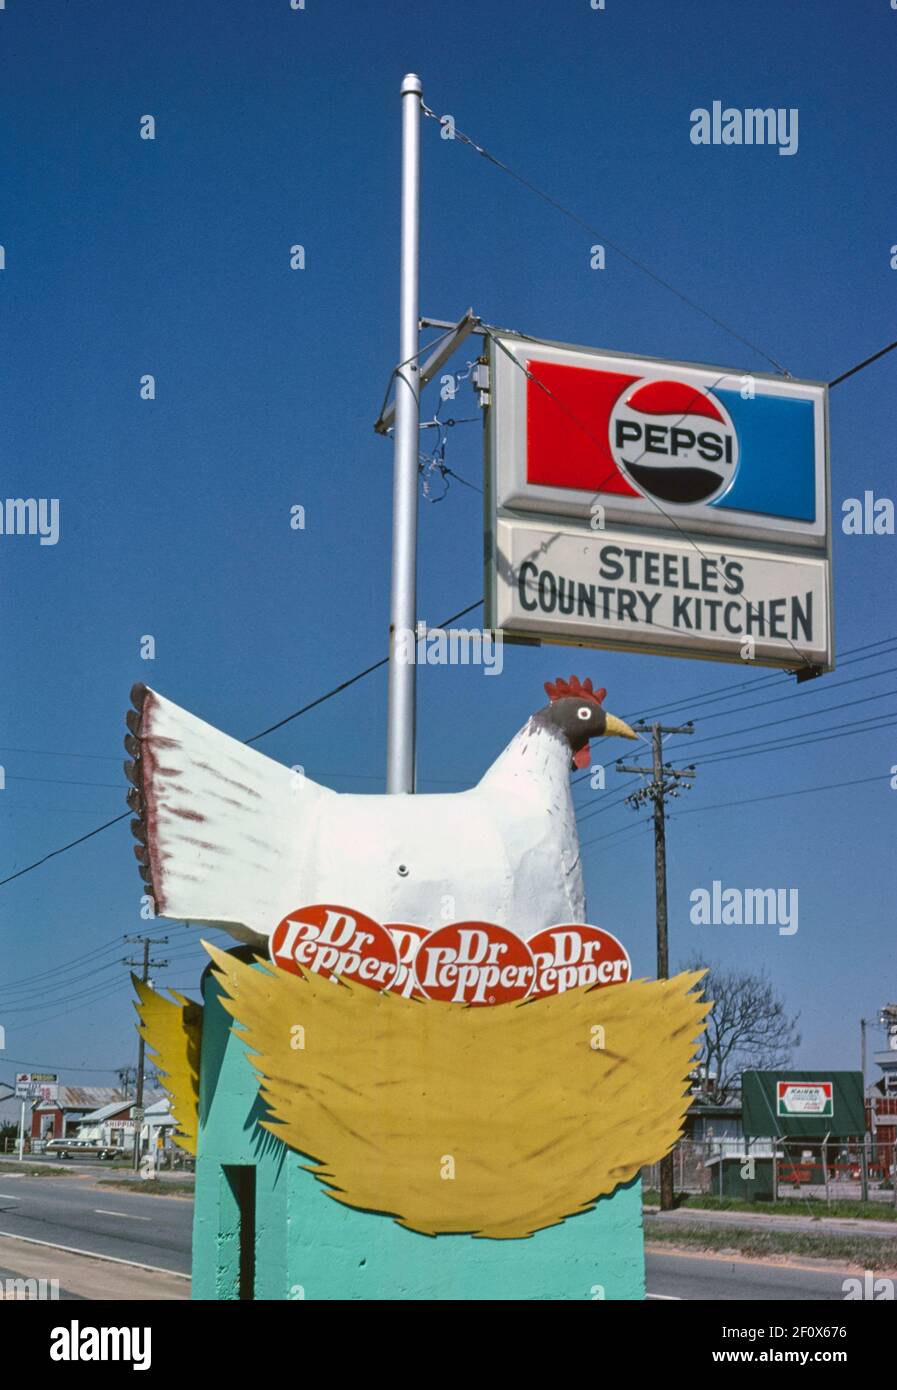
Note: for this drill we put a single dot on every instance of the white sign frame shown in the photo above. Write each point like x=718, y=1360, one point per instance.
x=512, y=505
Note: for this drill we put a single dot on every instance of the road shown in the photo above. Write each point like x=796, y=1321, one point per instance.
x=75, y=1212
x=716, y=1278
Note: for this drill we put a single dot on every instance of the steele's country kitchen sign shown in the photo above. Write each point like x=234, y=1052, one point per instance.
x=633, y=502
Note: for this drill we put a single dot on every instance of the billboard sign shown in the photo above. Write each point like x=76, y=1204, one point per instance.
x=37, y=1085
x=649, y=504
x=805, y=1098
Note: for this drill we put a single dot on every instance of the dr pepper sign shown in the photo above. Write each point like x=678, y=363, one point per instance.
x=472, y=963
x=634, y=502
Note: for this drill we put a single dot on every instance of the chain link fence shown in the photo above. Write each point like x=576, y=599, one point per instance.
x=784, y=1170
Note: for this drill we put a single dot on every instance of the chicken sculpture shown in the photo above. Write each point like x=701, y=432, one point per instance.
x=543, y=1105
x=232, y=838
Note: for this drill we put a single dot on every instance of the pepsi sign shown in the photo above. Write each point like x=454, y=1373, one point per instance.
x=649, y=503
x=673, y=442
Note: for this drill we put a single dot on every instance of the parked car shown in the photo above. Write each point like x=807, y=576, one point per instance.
x=89, y=1148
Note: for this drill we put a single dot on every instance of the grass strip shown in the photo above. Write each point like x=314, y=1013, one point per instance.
x=149, y=1187
x=847, y=1250
x=813, y=1207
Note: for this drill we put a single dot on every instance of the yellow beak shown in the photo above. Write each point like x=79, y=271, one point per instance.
x=613, y=725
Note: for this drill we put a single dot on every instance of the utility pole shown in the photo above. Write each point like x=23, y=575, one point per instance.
x=864, y=1168
x=401, y=712
x=664, y=781
x=144, y=964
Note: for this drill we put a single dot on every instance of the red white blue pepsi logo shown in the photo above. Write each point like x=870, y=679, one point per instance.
x=669, y=442
x=675, y=443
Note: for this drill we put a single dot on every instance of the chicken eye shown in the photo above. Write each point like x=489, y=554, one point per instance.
x=583, y=713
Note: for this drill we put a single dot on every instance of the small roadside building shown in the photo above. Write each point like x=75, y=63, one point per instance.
x=60, y=1118
x=114, y=1125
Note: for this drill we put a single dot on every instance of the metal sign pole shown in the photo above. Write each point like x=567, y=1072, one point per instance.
x=400, y=730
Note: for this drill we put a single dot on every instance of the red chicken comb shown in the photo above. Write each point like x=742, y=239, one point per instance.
x=574, y=689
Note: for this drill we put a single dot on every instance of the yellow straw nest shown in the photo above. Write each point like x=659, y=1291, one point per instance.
x=496, y=1121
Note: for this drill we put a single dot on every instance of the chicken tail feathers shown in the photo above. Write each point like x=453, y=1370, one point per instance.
x=215, y=822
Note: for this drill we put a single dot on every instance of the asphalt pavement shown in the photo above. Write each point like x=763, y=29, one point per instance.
x=74, y=1219
x=75, y=1213
x=718, y=1278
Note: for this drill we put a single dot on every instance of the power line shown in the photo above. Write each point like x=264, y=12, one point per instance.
x=313, y=704
x=792, y=695
x=29, y=982
x=100, y=988
x=639, y=265
x=596, y=487
x=790, y=719
x=344, y=685
x=62, y=781
x=62, y=849
x=777, y=796
x=867, y=361
x=734, y=692
x=770, y=745
x=748, y=750
x=57, y=1066
x=818, y=736
x=113, y=945
x=593, y=231
x=58, y=753
x=13, y=995
x=748, y=800
x=641, y=827
x=723, y=692
x=775, y=723
x=55, y=1014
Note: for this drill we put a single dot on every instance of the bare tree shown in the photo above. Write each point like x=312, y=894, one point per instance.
x=747, y=1027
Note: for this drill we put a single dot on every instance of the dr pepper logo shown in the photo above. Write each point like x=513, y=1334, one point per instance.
x=407, y=937
x=337, y=942
x=474, y=963
x=574, y=956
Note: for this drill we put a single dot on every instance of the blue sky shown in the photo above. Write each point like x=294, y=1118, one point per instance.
x=171, y=257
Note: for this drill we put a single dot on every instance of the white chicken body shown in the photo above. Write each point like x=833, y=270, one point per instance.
x=236, y=839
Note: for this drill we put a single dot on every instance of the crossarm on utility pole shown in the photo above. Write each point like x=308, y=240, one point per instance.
x=434, y=363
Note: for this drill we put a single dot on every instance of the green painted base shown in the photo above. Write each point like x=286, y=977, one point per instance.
x=265, y=1228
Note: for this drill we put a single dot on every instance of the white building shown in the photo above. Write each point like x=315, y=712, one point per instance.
x=113, y=1125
